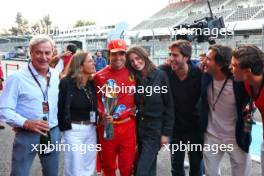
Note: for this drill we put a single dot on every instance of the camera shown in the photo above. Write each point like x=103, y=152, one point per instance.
x=202, y=30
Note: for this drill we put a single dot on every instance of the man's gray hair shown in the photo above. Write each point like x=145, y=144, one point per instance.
x=40, y=39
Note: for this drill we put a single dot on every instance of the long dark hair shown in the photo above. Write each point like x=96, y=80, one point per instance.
x=142, y=53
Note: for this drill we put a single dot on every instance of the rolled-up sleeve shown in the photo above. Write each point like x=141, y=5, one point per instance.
x=8, y=103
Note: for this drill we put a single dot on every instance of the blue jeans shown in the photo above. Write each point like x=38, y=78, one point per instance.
x=195, y=157
x=24, y=153
x=149, y=136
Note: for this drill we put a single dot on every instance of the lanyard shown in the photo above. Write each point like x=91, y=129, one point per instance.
x=88, y=95
x=44, y=93
x=218, y=96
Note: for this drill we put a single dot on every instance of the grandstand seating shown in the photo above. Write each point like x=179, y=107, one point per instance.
x=244, y=13
x=260, y=15
x=235, y=3
x=230, y=10
x=224, y=13
x=158, y=23
x=239, y=15
x=170, y=9
x=197, y=6
x=217, y=3
x=193, y=17
x=202, y=5
x=142, y=25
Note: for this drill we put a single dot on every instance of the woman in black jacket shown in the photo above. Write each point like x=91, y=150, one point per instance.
x=154, y=109
x=77, y=111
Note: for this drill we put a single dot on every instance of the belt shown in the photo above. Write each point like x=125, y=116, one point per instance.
x=122, y=121
x=19, y=129
x=83, y=122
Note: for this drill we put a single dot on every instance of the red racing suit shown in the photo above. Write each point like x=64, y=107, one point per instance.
x=259, y=102
x=122, y=147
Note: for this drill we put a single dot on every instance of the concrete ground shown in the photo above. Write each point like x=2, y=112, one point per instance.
x=7, y=136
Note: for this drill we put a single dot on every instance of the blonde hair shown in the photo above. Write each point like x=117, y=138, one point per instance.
x=74, y=71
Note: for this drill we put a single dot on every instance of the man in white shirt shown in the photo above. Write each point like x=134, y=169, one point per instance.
x=29, y=95
x=222, y=104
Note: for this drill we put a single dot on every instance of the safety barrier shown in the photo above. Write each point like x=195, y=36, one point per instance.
x=11, y=65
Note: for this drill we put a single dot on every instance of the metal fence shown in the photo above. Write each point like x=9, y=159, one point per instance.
x=10, y=67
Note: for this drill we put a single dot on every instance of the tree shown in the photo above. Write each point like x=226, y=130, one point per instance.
x=46, y=22
x=25, y=27
x=19, y=22
x=35, y=28
x=80, y=23
x=21, y=27
x=13, y=30
x=19, y=19
x=41, y=26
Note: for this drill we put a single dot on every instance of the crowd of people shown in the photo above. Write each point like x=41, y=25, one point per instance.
x=177, y=103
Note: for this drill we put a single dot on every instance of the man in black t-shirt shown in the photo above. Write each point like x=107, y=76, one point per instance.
x=185, y=82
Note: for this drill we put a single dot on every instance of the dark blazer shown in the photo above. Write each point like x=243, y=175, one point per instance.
x=242, y=99
x=157, y=105
x=66, y=89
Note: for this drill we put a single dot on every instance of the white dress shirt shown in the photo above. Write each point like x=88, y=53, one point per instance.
x=22, y=98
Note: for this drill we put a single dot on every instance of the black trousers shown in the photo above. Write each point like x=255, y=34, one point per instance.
x=195, y=156
x=149, y=137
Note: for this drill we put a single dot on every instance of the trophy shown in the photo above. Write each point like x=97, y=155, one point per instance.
x=109, y=100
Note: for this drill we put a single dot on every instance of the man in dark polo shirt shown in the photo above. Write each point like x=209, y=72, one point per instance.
x=185, y=81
